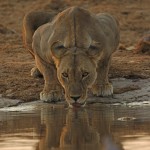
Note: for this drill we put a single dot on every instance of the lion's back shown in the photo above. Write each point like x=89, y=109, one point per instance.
x=110, y=27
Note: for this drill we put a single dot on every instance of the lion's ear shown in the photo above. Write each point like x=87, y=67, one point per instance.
x=95, y=49
x=57, y=49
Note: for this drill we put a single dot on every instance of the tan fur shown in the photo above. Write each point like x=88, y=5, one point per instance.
x=73, y=50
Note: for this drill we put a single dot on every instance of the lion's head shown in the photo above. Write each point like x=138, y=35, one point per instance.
x=76, y=70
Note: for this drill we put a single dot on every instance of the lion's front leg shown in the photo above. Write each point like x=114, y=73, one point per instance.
x=102, y=86
x=52, y=91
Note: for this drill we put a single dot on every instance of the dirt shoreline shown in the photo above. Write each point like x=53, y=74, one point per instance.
x=127, y=92
x=16, y=62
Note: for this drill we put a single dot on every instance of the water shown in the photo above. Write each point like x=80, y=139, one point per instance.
x=59, y=128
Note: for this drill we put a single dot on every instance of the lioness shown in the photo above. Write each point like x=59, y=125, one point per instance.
x=72, y=51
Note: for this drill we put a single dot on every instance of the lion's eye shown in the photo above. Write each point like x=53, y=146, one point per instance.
x=64, y=74
x=85, y=74
x=60, y=47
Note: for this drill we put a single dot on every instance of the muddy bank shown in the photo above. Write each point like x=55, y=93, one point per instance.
x=126, y=92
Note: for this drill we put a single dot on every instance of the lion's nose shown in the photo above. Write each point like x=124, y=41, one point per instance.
x=75, y=98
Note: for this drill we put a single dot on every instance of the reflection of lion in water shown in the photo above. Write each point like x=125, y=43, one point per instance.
x=76, y=129
x=78, y=134
x=72, y=50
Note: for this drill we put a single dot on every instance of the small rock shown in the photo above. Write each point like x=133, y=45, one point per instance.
x=9, y=91
x=126, y=118
x=130, y=48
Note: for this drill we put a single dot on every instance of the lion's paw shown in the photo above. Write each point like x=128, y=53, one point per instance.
x=35, y=72
x=102, y=90
x=51, y=96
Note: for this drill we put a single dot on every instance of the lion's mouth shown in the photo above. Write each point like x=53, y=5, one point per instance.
x=76, y=105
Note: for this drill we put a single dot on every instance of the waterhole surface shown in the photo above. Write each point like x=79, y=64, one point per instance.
x=43, y=127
